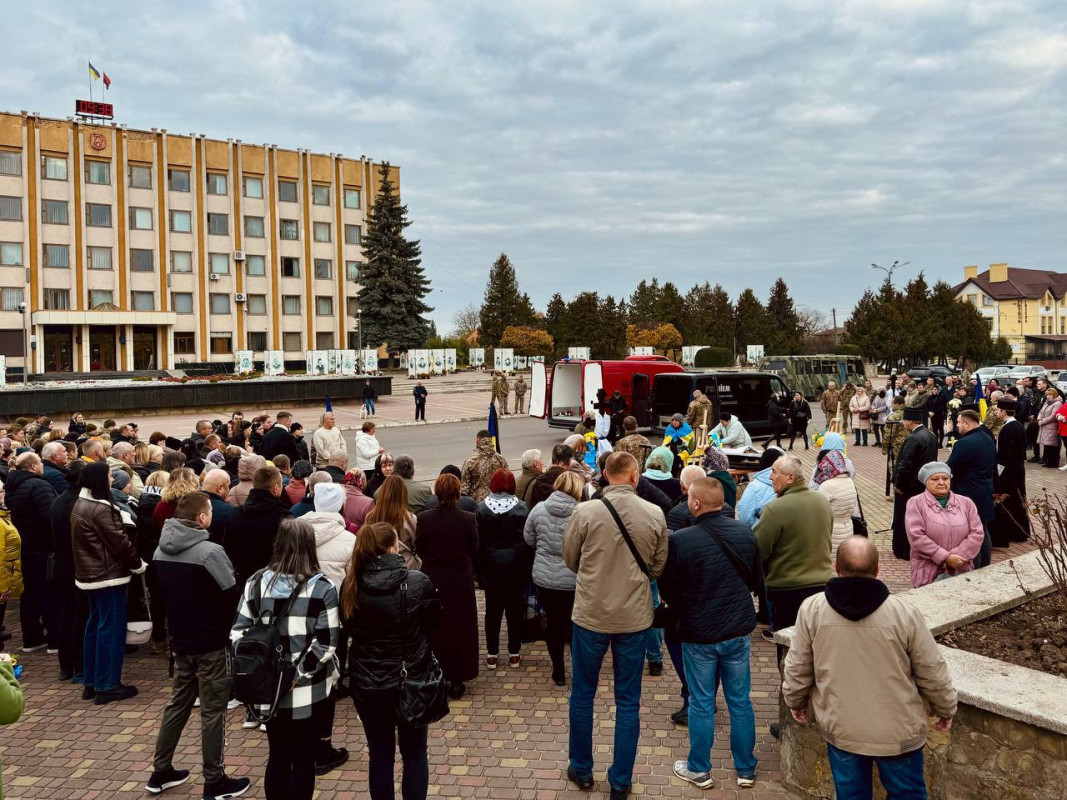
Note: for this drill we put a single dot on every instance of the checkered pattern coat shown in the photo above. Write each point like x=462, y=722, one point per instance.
x=313, y=619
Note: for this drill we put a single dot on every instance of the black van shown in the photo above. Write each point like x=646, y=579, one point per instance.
x=743, y=394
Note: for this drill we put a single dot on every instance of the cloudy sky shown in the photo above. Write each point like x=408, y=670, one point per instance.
x=599, y=143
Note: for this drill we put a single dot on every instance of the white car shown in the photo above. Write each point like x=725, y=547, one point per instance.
x=986, y=374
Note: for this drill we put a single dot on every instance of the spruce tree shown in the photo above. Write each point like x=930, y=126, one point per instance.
x=394, y=284
x=783, y=332
x=669, y=304
x=750, y=321
x=503, y=304
x=643, y=303
x=556, y=323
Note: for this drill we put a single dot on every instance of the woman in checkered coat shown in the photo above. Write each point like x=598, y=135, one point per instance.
x=310, y=628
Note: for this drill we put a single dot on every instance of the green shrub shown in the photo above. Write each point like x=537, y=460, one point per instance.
x=847, y=350
x=713, y=357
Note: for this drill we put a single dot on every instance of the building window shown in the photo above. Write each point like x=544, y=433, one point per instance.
x=99, y=257
x=352, y=304
x=181, y=221
x=257, y=304
x=255, y=265
x=321, y=231
x=291, y=304
x=254, y=227
x=54, y=212
x=98, y=172
x=221, y=343
x=289, y=230
x=143, y=301
x=56, y=255
x=287, y=191
x=216, y=183
x=291, y=341
x=181, y=261
x=290, y=267
x=220, y=303
x=182, y=302
x=53, y=168
x=323, y=268
x=257, y=340
x=184, y=344
x=98, y=215
x=10, y=297
x=11, y=209
x=141, y=219
x=324, y=305
x=140, y=177
x=98, y=297
x=10, y=163
x=353, y=234
x=324, y=340
x=972, y=299
x=987, y=300
x=57, y=299
x=320, y=195
x=142, y=260
x=253, y=187
x=10, y=254
x=218, y=224
x=178, y=180
x=352, y=271
x=220, y=263
x=352, y=198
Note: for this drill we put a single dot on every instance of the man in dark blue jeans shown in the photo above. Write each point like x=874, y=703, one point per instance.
x=612, y=609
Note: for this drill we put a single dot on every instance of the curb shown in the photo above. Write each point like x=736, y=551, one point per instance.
x=413, y=424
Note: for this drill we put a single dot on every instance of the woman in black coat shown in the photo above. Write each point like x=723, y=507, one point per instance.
x=799, y=417
x=448, y=545
x=504, y=565
x=776, y=417
x=376, y=592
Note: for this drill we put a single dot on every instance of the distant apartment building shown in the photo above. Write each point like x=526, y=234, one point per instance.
x=126, y=249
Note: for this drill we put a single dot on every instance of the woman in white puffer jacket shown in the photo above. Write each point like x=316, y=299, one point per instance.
x=833, y=480
x=333, y=542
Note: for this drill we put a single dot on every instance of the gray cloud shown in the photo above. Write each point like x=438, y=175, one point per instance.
x=599, y=143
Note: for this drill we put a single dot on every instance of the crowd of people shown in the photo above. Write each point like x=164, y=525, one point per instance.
x=610, y=541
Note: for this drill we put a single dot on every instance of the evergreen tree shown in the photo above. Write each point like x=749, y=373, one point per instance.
x=644, y=303
x=582, y=319
x=555, y=322
x=609, y=335
x=750, y=321
x=669, y=304
x=394, y=284
x=721, y=316
x=784, y=334
x=504, y=304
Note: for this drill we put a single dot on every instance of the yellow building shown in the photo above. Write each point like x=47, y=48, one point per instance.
x=1028, y=307
x=125, y=249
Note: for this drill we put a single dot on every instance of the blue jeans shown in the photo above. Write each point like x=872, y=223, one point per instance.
x=902, y=776
x=674, y=650
x=588, y=649
x=654, y=644
x=105, y=637
x=705, y=666
x=369, y=403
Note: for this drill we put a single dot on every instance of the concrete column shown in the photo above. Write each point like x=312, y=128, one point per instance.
x=127, y=331
x=85, y=349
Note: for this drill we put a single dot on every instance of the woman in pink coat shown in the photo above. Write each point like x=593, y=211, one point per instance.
x=1048, y=434
x=357, y=505
x=943, y=528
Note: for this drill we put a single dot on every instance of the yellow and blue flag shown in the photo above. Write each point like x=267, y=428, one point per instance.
x=93, y=72
x=979, y=398
x=493, y=427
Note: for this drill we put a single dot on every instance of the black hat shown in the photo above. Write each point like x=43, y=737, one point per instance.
x=915, y=414
x=1007, y=402
x=173, y=443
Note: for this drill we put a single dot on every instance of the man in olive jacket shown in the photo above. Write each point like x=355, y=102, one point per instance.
x=612, y=608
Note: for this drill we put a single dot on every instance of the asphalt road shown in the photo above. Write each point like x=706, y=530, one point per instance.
x=434, y=446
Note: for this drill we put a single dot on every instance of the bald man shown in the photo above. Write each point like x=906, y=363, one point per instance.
x=217, y=487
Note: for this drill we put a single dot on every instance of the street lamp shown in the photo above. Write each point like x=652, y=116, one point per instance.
x=359, y=341
x=23, y=307
x=889, y=270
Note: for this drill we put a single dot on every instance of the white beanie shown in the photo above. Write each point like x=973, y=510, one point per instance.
x=329, y=497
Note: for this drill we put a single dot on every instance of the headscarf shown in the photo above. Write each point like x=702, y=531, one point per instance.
x=834, y=441
x=715, y=460
x=301, y=469
x=678, y=433
x=832, y=465
x=663, y=458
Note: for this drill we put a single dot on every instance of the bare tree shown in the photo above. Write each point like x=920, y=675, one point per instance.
x=1050, y=536
x=466, y=320
x=811, y=320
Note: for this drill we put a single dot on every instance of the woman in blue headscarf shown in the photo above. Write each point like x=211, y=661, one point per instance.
x=832, y=443
x=658, y=472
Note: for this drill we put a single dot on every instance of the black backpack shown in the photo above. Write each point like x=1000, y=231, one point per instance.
x=262, y=670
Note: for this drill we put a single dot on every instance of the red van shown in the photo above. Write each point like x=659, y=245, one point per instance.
x=571, y=390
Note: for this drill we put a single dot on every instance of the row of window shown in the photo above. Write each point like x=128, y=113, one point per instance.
x=178, y=180
x=222, y=343
x=98, y=215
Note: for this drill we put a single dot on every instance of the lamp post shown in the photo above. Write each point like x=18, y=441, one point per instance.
x=26, y=357
x=889, y=270
x=359, y=340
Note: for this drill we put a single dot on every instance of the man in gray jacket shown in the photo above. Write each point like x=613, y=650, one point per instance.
x=884, y=665
x=612, y=608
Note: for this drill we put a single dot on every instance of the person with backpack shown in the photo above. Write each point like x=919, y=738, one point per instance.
x=389, y=612
x=290, y=604
x=199, y=592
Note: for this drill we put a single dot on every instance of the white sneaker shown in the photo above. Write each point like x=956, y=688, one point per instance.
x=263, y=727
x=702, y=780
x=230, y=706
x=746, y=783
x=196, y=703
x=1063, y=468
x=250, y=722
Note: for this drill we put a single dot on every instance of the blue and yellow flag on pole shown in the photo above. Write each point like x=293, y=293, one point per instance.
x=979, y=398
x=93, y=73
x=494, y=427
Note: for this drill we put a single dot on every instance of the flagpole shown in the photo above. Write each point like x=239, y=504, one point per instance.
x=90, y=75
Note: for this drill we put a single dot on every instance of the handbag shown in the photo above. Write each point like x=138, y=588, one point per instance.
x=139, y=632
x=663, y=616
x=422, y=701
x=859, y=524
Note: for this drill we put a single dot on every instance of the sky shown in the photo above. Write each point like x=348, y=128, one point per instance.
x=599, y=143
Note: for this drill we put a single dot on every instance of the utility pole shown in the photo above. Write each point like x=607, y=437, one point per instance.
x=834, y=312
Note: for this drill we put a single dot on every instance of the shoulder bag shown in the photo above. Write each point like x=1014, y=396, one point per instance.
x=663, y=616
x=859, y=524
x=422, y=701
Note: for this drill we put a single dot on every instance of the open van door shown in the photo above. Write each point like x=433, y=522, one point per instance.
x=538, y=390
x=640, y=405
x=592, y=382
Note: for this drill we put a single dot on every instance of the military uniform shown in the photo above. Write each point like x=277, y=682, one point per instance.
x=636, y=445
x=520, y=394
x=993, y=421
x=502, y=396
x=894, y=435
x=479, y=468
x=848, y=391
x=828, y=402
x=694, y=415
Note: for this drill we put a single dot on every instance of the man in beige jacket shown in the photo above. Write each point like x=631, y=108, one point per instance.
x=612, y=609
x=327, y=441
x=868, y=663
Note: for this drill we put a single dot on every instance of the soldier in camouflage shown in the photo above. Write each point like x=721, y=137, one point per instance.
x=520, y=394
x=828, y=402
x=480, y=466
x=695, y=414
x=502, y=394
x=894, y=435
x=848, y=391
x=632, y=442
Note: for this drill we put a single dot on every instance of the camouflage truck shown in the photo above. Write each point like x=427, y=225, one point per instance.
x=809, y=375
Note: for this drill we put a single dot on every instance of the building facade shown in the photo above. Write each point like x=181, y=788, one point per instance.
x=125, y=249
x=1028, y=307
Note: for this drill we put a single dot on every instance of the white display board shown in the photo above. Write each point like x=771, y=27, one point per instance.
x=755, y=352
x=450, y=359
x=438, y=362
x=347, y=364
x=317, y=362
x=535, y=360
x=578, y=353
x=369, y=362
x=403, y=362
x=3, y=370
x=419, y=362
x=520, y=362
x=477, y=357
x=689, y=353
x=647, y=351
x=504, y=359
x=274, y=362
x=242, y=362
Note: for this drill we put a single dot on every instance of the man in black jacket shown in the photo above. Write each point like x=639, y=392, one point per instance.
x=713, y=568
x=29, y=498
x=541, y=486
x=278, y=440
x=919, y=449
x=1012, y=522
x=973, y=462
x=251, y=530
x=54, y=456
x=200, y=594
x=72, y=601
x=937, y=405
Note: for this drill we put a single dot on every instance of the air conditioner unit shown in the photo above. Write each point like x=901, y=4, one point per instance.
x=240, y=297
x=238, y=255
x=213, y=277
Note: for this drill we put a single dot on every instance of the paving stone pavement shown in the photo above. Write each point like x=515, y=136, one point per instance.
x=506, y=739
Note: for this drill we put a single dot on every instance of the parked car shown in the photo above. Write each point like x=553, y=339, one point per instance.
x=1028, y=371
x=936, y=371
x=986, y=374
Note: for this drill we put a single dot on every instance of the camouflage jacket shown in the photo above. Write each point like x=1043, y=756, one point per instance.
x=694, y=415
x=828, y=402
x=848, y=391
x=993, y=421
x=636, y=445
x=520, y=387
x=502, y=386
x=479, y=468
x=894, y=435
